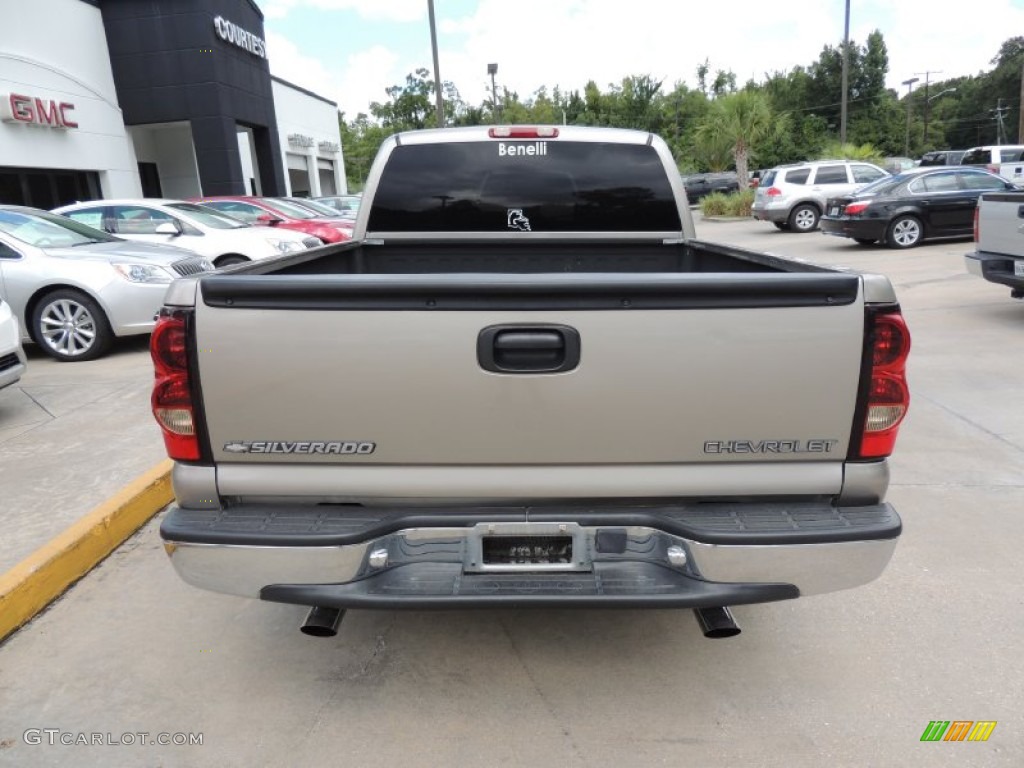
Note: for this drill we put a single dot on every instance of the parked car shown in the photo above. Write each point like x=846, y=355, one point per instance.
x=347, y=205
x=74, y=289
x=794, y=196
x=280, y=214
x=700, y=185
x=322, y=211
x=221, y=239
x=898, y=164
x=12, y=356
x=998, y=254
x=906, y=209
x=942, y=157
x=1006, y=159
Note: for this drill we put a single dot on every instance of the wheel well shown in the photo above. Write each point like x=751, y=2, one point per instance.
x=812, y=203
x=42, y=293
x=223, y=256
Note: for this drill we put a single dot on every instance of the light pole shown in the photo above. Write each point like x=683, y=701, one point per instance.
x=492, y=70
x=437, y=68
x=910, y=89
x=846, y=69
x=927, y=109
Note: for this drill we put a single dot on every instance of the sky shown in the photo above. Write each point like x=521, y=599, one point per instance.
x=350, y=51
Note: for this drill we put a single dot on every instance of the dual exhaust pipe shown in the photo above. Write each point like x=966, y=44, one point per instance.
x=714, y=622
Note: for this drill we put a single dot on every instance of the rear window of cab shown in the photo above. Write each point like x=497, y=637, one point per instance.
x=527, y=186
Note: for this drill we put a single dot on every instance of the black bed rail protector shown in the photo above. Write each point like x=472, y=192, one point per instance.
x=529, y=292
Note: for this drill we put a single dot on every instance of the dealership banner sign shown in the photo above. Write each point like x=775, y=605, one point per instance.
x=32, y=110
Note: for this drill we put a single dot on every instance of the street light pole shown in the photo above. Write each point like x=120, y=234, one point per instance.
x=492, y=70
x=437, y=68
x=927, y=108
x=927, y=76
x=846, y=69
x=910, y=89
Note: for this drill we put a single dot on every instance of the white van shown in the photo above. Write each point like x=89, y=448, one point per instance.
x=1005, y=159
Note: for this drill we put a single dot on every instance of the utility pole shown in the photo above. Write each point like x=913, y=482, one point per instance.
x=910, y=89
x=1020, y=107
x=999, y=112
x=846, y=75
x=437, y=68
x=927, y=75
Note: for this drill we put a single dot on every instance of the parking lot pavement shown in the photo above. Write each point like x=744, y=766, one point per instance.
x=846, y=679
x=71, y=435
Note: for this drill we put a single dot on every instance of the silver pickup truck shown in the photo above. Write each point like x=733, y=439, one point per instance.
x=525, y=382
x=999, y=236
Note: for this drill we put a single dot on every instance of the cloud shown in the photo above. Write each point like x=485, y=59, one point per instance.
x=539, y=42
x=361, y=80
x=374, y=10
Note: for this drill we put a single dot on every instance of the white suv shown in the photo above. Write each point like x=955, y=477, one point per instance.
x=217, y=236
x=1005, y=159
x=793, y=196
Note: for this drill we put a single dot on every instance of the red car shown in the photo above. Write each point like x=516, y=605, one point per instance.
x=280, y=213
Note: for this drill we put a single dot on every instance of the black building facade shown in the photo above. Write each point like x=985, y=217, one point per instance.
x=200, y=62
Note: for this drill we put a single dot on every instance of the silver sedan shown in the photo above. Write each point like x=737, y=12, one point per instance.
x=75, y=289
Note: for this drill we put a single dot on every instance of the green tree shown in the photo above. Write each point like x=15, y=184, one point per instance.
x=740, y=120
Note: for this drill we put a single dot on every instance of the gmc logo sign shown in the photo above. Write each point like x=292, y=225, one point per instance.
x=18, y=108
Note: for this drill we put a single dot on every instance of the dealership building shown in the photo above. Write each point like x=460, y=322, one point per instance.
x=155, y=98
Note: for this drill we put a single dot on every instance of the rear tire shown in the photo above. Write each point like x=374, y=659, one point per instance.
x=228, y=260
x=804, y=218
x=69, y=326
x=904, y=232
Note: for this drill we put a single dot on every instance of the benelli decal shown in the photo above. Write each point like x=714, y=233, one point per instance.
x=770, y=446
x=334, y=447
x=522, y=149
x=516, y=220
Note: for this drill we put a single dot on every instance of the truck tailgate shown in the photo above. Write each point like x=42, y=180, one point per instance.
x=672, y=369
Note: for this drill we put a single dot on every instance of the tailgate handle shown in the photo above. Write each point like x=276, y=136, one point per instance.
x=528, y=349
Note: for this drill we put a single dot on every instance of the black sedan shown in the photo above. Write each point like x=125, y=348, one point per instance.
x=903, y=210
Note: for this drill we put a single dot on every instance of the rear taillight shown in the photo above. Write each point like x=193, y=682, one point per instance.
x=773, y=191
x=523, y=132
x=887, y=396
x=172, y=390
x=977, y=239
x=854, y=208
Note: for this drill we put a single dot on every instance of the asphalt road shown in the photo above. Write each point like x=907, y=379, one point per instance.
x=846, y=679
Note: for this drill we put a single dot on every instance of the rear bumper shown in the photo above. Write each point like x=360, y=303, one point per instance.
x=864, y=229
x=654, y=556
x=779, y=214
x=994, y=267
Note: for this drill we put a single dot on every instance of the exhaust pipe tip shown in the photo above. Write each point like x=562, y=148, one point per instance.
x=716, y=623
x=322, y=621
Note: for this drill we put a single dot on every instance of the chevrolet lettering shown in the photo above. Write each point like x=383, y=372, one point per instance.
x=769, y=446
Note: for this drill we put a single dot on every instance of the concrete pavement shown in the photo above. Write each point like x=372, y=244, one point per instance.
x=71, y=436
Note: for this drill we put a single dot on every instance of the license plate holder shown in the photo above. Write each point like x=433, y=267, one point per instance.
x=833, y=211
x=1018, y=268
x=522, y=547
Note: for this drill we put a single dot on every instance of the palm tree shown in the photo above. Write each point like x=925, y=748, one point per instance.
x=740, y=120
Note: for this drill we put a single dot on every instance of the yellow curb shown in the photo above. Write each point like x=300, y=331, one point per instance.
x=43, y=576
